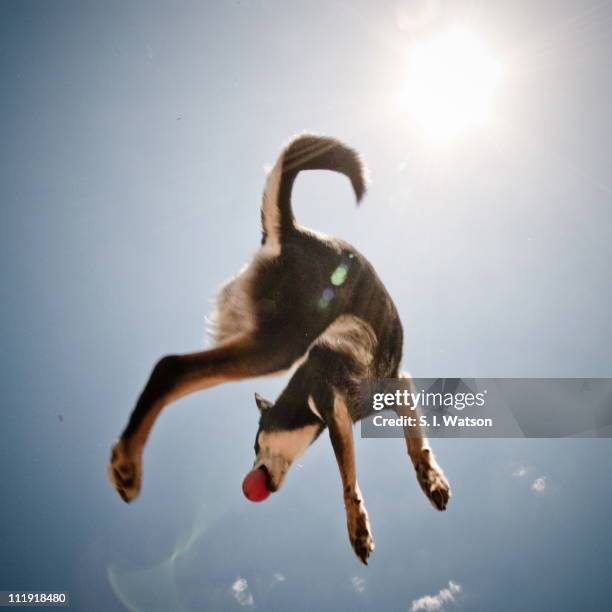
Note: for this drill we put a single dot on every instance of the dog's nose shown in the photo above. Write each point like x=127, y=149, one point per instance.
x=269, y=482
x=266, y=471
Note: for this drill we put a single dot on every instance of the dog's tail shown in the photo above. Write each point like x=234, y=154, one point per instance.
x=306, y=152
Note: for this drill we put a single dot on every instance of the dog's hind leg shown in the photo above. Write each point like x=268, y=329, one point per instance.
x=335, y=412
x=429, y=474
x=174, y=376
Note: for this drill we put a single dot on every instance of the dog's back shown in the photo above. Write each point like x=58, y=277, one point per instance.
x=307, y=286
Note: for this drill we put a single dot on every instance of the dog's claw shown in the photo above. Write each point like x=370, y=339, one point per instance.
x=125, y=472
x=363, y=549
x=433, y=481
x=359, y=532
x=440, y=498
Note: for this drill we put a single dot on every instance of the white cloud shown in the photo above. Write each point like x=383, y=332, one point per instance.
x=435, y=603
x=539, y=484
x=358, y=584
x=240, y=591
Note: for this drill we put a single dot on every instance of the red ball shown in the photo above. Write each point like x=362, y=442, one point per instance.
x=255, y=485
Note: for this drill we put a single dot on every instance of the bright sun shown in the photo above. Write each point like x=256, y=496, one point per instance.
x=451, y=85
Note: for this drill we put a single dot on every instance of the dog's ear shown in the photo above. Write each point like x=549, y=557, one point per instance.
x=262, y=403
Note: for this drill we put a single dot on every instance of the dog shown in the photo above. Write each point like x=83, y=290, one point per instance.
x=307, y=301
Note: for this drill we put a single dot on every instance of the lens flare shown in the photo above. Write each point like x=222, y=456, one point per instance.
x=339, y=275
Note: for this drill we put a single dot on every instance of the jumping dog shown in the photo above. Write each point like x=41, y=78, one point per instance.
x=306, y=300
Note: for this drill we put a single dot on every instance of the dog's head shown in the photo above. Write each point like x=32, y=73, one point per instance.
x=284, y=433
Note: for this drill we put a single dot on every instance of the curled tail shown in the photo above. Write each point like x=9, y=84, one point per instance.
x=306, y=152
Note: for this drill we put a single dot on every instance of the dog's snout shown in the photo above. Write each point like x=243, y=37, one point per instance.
x=269, y=483
x=265, y=470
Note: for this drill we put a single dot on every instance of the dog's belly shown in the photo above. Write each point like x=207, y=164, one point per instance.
x=234, y=310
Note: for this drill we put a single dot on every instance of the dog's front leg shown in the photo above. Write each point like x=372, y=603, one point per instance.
x=341, y=434
x=429, y=474
x=177, y=375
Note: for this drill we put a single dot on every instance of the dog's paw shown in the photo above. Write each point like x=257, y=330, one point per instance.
x=125, y=471
x=359, y=531
x=432, y=480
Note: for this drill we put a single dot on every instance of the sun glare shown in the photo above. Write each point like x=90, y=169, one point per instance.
x=451, y=85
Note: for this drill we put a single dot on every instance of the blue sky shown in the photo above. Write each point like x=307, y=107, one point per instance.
x=135, y=137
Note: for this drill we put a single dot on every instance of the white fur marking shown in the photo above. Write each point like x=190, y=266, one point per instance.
x=313, y=407
x=279, y=449
x=352, y=335
x=269, y=208
x=288, y=444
